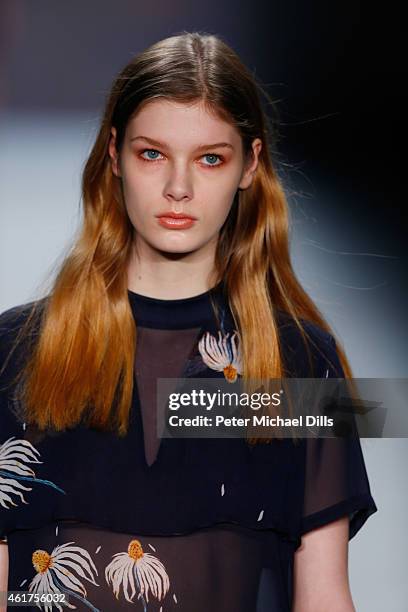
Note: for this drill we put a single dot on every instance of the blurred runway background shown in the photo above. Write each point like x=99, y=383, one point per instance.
x=334, y=70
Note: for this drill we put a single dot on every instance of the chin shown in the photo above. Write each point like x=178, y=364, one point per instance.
x=176, y=250
x=177, y=244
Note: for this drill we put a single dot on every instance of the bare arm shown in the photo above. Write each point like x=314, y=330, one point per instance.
x=321, y=580
x=4, y=565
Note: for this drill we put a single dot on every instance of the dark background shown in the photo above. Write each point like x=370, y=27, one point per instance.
x=336, y=71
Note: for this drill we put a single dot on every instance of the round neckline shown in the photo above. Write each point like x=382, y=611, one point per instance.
x=179, y=313
x=138, y=297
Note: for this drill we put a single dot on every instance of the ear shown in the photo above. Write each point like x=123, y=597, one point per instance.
x=249, y=170
x=113, y=154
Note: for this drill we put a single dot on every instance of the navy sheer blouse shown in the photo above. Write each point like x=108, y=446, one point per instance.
x=160, y=524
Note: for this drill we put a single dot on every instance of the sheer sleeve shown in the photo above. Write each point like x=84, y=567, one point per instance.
x=336, y=481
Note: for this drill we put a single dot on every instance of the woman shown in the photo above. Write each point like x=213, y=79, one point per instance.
x=182, y=269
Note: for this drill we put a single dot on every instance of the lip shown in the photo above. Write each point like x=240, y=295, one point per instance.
x=171, y=222
x=174, y=215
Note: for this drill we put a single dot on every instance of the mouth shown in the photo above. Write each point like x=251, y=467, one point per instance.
x=173, y=215
x=171, y=222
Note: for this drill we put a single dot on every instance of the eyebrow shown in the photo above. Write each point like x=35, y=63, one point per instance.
x=157, y=143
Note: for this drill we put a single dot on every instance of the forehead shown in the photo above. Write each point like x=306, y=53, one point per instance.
x=178, y=123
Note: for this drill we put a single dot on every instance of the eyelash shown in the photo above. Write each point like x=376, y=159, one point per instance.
x=220, y=157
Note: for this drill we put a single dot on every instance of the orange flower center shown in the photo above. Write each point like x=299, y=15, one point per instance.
x=135, y=550
x=230, y=373
x=41, y=560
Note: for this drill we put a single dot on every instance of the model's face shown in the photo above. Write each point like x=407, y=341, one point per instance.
x=168, y=163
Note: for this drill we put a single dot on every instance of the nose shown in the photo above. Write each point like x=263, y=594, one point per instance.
x=179, y=187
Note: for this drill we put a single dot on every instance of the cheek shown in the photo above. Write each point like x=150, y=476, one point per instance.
x=219, y=204
x=136, y=191
x=136, y=204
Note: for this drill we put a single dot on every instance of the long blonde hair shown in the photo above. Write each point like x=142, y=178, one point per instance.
x=83, y=359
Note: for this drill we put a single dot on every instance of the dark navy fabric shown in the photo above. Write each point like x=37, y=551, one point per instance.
x=271, y=493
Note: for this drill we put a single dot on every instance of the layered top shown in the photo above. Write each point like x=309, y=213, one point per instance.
x=151, y=523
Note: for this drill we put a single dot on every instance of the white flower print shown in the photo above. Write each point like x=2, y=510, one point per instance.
x=14, y=455
x=145, y=568
x=222, y=355
x=54, y=574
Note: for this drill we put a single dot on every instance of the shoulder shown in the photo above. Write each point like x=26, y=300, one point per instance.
x=18, y=328
x=314, y=357
x=15, y=345
x=13, y=319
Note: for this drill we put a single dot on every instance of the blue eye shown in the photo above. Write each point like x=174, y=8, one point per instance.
x=213, y=156
x=150, y=151
x=153, y=155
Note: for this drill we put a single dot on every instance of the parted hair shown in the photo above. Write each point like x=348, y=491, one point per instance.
x=82, y=361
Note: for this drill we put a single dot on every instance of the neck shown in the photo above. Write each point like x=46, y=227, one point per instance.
x=171, y=275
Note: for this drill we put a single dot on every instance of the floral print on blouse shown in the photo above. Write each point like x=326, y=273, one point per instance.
x=154, y=524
